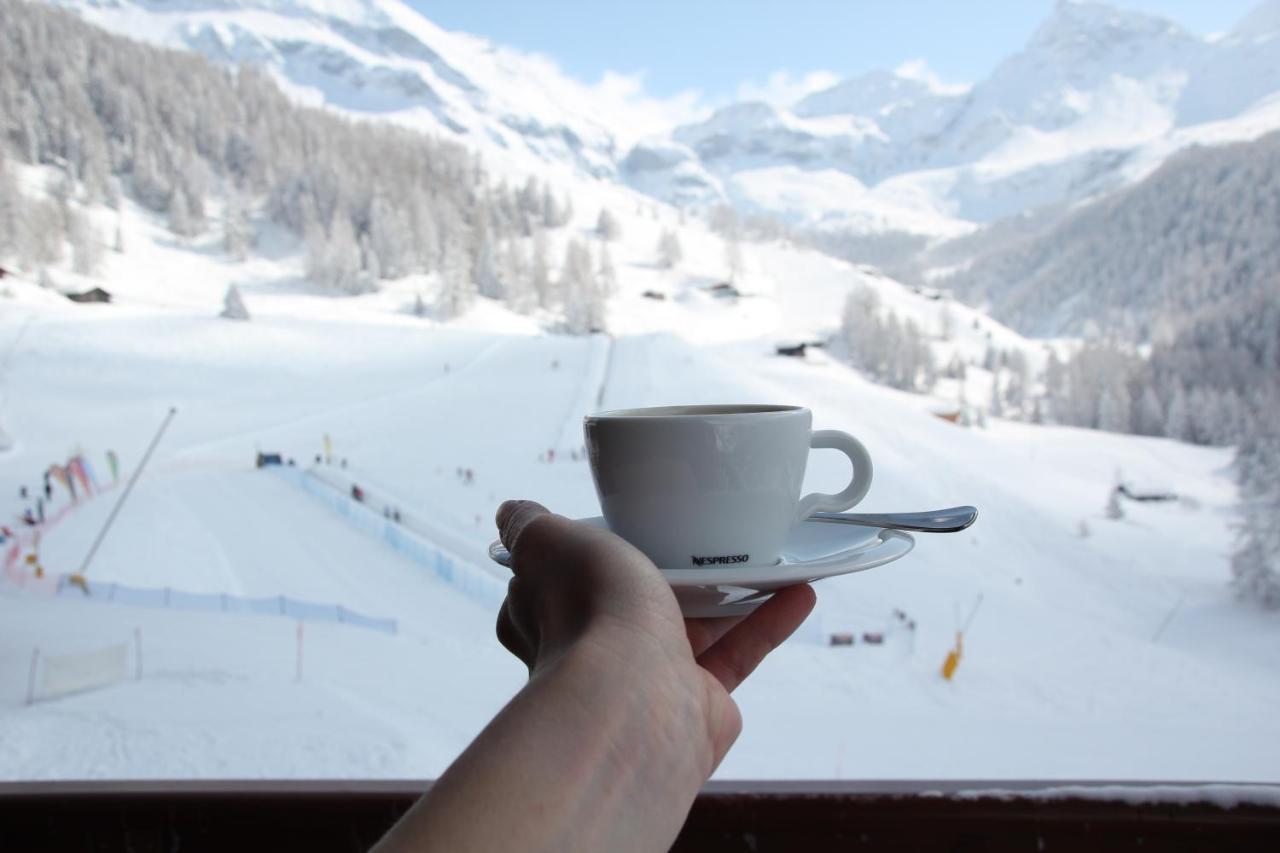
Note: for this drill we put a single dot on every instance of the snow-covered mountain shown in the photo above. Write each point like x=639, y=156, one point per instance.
x=1089, y=104
x=1097, y=99
x=382, y=59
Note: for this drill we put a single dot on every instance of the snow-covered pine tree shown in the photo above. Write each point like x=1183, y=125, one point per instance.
x=583, y=300
x=488, y=279
x=40, y=234
x=946, y=319
x=544, y=289
x=391, y=239
x=457, y=285
x=1255, y=566
x=670, y=253
x=1177, y=420
x=233, y=307
x=733, y=257
x=86, y=247
x=1114, y=409
x=996, y=406
x=606, y=274
x=344, y=257
x=607, y=226
x=1149, y=419
x=180, y=219
x=10, y=207
x=1019, y=383
x=1114, y=510
x=237, y=239
x=1205, y=414
x=519, y=292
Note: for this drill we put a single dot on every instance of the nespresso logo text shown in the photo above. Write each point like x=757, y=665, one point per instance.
x=720, y=561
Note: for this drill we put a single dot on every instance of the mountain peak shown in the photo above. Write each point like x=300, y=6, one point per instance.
x=864, y=95
x=1262, y=23
x=1083, y=22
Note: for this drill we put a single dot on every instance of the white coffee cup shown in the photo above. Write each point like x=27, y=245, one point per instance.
x=708, y=486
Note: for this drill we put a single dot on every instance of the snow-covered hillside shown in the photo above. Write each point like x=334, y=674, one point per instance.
x=381, y=59
x=1070, y=670
x=1097, y=99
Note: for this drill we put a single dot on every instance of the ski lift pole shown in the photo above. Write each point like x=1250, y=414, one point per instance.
x=972, y=613
x=137, y=472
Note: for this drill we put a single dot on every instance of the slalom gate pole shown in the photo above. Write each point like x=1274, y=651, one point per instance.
x=137, y=652
x=137, y=472
x=299, y=678
x=31, y=675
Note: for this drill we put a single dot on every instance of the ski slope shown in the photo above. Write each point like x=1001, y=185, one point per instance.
x=1060, y=678
x=1103, y=649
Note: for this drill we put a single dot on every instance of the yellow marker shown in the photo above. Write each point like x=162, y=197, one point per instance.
x=953, y=658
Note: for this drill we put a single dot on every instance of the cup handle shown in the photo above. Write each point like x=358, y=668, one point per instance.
x=833, y=439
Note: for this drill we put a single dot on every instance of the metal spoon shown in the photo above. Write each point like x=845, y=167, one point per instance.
x=950, y=520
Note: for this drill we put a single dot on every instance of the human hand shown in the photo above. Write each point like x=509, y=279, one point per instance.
x=584, y=590
x=627, y=708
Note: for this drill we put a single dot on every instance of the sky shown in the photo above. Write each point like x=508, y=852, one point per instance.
x=719, y=50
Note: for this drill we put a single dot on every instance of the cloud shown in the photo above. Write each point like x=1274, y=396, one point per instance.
x=632, y=113
x=782, y=88
x=918, y=69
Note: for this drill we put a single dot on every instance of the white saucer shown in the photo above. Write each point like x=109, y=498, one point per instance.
x=813, y=551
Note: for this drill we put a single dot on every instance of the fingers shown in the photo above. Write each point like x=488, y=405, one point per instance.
x=705, y=632
x=511, y=637
x=741, y=649
x=513, y=517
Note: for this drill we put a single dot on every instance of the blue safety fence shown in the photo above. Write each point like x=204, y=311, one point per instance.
x=213, y=602
x=400, y=536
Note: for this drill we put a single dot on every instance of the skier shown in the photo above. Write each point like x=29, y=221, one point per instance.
x=48, y=487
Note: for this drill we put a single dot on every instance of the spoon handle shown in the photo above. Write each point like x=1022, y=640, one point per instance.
x=950, y=520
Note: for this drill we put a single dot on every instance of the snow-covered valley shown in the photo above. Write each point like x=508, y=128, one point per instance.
x=1063, y=674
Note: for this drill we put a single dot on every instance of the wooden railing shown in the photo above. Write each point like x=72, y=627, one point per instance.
x=728, y=816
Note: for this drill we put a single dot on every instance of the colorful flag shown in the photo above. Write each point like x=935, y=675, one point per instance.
x=76, y=468
x=63, y=476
